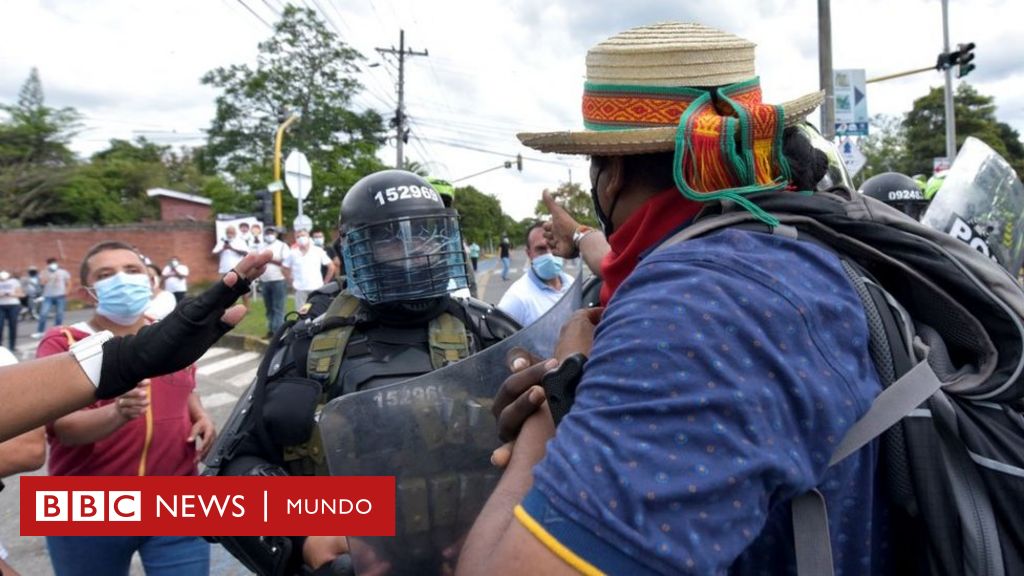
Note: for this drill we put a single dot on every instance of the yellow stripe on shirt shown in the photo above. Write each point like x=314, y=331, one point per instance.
x=567, y=555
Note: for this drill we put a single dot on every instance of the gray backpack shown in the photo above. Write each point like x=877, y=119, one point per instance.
x=947, y=341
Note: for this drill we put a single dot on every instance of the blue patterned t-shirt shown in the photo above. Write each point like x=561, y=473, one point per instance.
x=724, y=373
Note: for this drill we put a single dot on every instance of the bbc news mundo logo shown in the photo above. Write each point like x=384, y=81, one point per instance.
x=207, y=506
x=89, y=506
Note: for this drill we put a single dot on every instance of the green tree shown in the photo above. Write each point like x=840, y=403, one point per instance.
x=975, y=116
x=112, y=187
x=885, y=149
x=480, y=216
x=304, y=68
x=575, y=200
x=35, y=160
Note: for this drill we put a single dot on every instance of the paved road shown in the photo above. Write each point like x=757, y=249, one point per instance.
x=223, y=374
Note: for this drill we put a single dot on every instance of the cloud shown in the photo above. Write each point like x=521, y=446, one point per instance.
x=495, y=66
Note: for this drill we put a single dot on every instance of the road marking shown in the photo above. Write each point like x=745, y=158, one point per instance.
x=242, y=380
x=214, y=352
x=218, y=399
x=226, y=363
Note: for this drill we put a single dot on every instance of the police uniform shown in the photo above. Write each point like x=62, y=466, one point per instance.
x=394, y=321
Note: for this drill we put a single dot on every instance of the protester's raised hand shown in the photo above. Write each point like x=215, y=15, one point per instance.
x=183, y=336
x=559, y=230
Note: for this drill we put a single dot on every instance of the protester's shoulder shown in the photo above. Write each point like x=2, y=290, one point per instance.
x=56, y=340
x=786, y=264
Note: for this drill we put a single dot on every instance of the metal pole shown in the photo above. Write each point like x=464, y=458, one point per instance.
x=950, y=110
x=899, y=74
x=278, y=214
x=400, y=115
x=828, y=113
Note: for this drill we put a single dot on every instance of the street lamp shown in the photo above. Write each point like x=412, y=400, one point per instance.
x=276, y=186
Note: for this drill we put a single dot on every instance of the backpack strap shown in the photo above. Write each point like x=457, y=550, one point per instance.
x=810, y=535
x=327, y=348
x=448, y=340
x=810, y=517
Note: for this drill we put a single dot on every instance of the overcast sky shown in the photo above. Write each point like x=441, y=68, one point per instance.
x=496, y=67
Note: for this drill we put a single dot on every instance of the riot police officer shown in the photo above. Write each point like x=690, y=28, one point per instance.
x=395, y=320
x=897, y=190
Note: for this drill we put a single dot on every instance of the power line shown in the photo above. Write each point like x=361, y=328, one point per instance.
x=253, y=12
x=456, y=144
x=271, y=8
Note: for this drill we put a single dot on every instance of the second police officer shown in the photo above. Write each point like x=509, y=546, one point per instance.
x=395, y=320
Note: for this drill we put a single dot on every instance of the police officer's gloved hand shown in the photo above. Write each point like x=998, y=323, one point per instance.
x=171, y=344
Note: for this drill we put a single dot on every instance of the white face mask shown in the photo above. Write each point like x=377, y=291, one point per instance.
x=269, y=238
x=303, y=241
x=52, y=267
x=5, y=275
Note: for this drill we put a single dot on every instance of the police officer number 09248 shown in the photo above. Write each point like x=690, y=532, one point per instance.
x=398, y=193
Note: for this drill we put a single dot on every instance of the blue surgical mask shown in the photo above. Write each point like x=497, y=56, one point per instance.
x=547, y=266
x=122, y=297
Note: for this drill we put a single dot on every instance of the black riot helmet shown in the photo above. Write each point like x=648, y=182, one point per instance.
x=399, y=242
x=897, y=190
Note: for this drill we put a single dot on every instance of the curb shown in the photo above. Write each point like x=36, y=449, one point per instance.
x=243, y=342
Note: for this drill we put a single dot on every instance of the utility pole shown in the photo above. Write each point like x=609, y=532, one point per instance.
x=400, y=112
x=950, y=113
x=828, y=113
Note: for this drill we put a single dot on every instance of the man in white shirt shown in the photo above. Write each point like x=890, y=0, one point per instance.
x=272, y=282
x=175, y=274
x=544, y=283
x=231, y=249
x=304, y=262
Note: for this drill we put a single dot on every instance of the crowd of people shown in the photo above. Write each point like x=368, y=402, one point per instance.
x=724, y=361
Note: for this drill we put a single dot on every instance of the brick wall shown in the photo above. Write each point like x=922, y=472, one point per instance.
x=191, y=242
x=172, y=209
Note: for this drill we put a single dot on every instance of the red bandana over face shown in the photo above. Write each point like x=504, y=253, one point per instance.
x=663, y=213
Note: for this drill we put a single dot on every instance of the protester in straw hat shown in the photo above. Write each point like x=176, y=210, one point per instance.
x=725, y=367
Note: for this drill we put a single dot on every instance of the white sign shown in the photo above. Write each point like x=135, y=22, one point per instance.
x=302, y=222
x=297, y=175
x=852, y=156
x=223, y=221
x=275, y=186
x=849, y=89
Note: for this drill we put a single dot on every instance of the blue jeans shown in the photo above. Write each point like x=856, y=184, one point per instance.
x=49, y=302
x=161, y=555
x=9, y=315
x=274, y=295
x=504, y=268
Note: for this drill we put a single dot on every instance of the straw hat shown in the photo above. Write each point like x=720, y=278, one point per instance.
x=640, y=81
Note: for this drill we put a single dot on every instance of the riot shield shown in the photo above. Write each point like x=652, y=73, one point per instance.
x=982, y=203
x=435, y=434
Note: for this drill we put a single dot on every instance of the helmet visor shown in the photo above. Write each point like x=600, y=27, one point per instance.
x=405, y=259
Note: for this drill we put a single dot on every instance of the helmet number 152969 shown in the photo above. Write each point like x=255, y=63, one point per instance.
x=397, y=193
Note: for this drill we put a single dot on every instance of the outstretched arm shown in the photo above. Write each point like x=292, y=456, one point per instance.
x=42, y=390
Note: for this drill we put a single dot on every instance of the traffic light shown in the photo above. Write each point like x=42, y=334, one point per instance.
x=519, y=162
x=264, y=206
x=945, y=61
x=964, y=56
